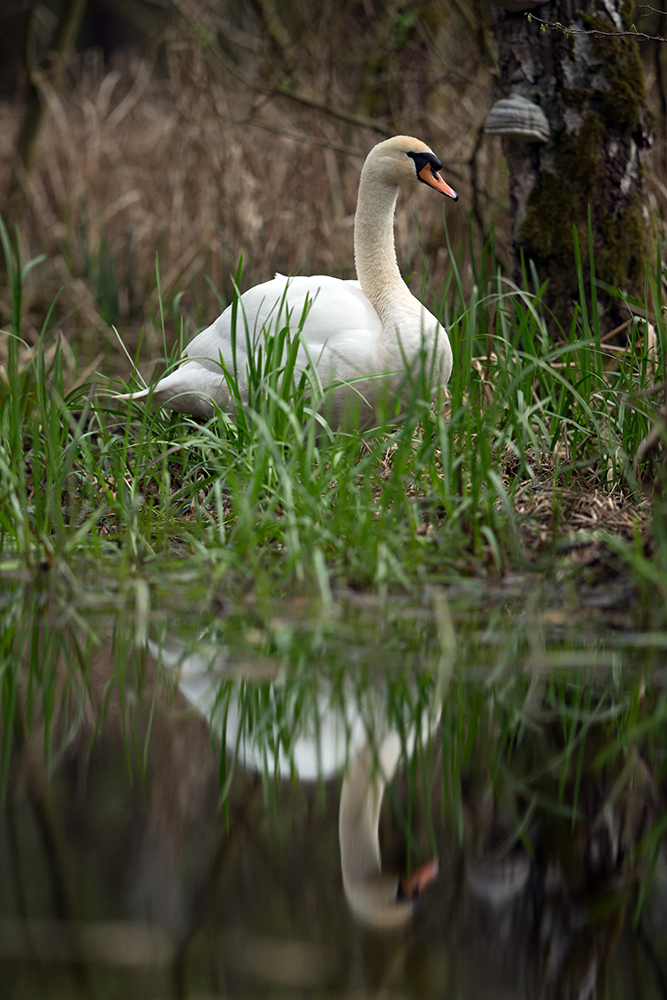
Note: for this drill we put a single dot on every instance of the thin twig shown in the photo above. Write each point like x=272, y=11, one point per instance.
x=617, y=329
x=557, y=26
x=311, y=102
x=328, y=109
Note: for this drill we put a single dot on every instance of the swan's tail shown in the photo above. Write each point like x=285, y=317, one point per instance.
x=192, y=389
x=136, y=397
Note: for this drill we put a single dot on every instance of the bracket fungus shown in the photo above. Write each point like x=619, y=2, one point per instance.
x=517, y=118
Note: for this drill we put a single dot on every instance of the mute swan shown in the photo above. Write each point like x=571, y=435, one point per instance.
x=353, y=331
x=326, y=736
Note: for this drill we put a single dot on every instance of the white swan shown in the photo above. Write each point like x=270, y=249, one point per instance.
x=353, y=331
x=328, y=734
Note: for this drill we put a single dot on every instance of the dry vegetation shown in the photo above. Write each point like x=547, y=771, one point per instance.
x=190, y=151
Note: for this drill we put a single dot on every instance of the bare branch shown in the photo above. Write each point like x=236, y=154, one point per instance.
x=272, y=92
x=328, y=109
x=568, y=30
x=307, y=140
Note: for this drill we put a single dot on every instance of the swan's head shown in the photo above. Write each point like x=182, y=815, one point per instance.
x=403, y=159
x=387, y=901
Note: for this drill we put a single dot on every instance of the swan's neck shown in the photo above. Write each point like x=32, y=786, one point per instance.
x=374, y=247
x=360, y=801
x=371, y=895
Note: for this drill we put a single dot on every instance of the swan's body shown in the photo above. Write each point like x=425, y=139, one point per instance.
x=326, y=736
x=367, y=333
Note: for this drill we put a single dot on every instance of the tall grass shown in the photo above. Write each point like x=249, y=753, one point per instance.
x=276, y=497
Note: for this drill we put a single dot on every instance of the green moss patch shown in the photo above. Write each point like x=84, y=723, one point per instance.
x=621, y=105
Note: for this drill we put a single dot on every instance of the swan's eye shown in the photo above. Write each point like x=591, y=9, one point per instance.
x=426, y=159
x=407, y=892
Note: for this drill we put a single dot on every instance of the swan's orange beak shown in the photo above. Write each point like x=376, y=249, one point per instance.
x=412, y=886
x=431, y=177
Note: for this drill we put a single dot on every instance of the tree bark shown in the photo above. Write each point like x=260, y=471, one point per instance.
x=591, y=88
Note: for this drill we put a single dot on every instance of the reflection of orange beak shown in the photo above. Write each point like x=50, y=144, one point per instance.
x=429, y=176
x=413, y=885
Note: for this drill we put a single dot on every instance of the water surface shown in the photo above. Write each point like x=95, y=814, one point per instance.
x=173, y=769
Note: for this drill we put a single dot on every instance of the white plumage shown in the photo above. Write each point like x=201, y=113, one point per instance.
x=365, y=334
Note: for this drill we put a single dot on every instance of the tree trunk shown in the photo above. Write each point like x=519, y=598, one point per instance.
x=591, y=89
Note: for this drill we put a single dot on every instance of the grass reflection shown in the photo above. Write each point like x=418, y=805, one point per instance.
x=532, y=762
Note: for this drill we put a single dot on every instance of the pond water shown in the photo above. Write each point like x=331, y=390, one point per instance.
x=196, y=793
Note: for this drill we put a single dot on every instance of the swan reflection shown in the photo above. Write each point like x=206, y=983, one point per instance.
x=313, y=730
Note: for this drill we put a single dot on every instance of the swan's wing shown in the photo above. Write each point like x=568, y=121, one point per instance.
x=342, y=329
x=339, y=333
x=320, y=743
x=261, y=307
x=336, y=308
